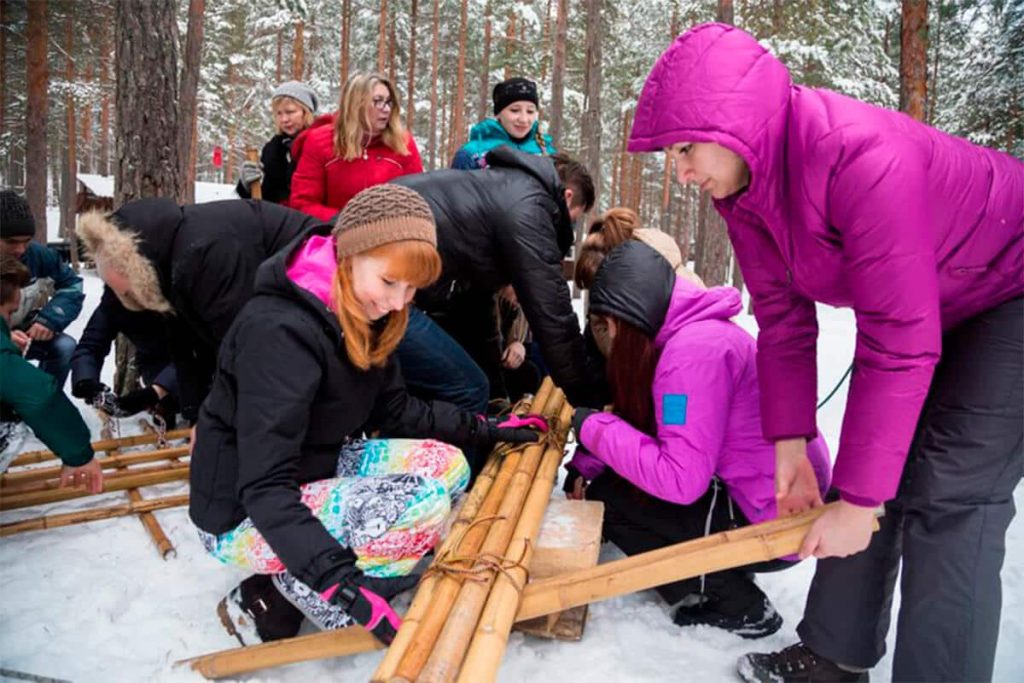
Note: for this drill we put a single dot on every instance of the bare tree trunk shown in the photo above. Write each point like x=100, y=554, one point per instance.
x=104, y=160
x=346, y=38
x=510, y=44
x=392, y=43
x=936, y=48
x=70, y=183
x=188, y=114
x=590, y=129
x=545, y=43
x=725, y=11
x=280, y=46
x=148, y=162
x=458, y=134
x=624, y=159
x=435, y=49
x=37, y=76
x=299, y=50
x=558, y=72
x=88, y=156
x=229, y=148
x=914, y=58
x=485, y=65
x=382, y=37
x=410, y=109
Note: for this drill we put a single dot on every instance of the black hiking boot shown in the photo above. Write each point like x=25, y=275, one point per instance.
x=795, y=664
x=255, y=612
x=757, y=621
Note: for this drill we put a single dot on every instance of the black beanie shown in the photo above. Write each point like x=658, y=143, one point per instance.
x=634, y=283
x=15, y=217
x=514, y=90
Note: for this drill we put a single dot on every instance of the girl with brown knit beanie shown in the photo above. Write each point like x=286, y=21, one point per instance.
x=361, y=145
x=284, y=483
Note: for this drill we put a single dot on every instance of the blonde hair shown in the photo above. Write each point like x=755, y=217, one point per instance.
x=413, y=261
x=307, y=115
x=351, y=124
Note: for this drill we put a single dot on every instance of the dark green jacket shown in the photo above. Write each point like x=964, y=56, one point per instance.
x=37, y=400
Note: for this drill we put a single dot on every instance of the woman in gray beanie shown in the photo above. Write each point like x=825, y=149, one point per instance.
x=294, y=105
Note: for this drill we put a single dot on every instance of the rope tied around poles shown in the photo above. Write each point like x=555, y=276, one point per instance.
x=475, y=567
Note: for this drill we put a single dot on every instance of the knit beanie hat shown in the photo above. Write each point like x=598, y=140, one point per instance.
x=298, y=91
x=380, y=215
x=514, y=90
x=15, y=216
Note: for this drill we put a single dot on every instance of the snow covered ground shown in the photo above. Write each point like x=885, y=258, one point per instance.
x=96, y=603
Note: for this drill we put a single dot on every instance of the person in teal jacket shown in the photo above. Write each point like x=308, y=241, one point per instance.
x=515, y=124
x=52, y=299
x=31, y=397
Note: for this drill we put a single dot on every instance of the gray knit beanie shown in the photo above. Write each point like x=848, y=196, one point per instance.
x=16, y=218
x=380, y=215
x=298, y=91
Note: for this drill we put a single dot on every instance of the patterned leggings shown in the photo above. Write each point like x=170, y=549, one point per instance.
x=388, y=503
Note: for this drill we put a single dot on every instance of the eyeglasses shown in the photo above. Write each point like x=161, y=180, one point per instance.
x=382, y=103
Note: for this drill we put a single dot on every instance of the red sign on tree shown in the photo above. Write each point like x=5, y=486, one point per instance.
x=218, y=156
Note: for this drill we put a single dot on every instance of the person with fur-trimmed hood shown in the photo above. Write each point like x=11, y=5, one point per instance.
x=194, y=264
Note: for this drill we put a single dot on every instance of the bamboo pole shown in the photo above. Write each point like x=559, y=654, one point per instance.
x=422, y=627
x=762, y=542
x=714, y=553
x=103, y=445
x=130, y=479
x=11, y=480
x=148, y=519
x=490, y=638
x=239, y=660
x=53, y=481
x=95, y=514
x=447, y=653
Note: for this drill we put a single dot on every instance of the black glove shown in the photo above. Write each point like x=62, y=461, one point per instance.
x=137, y=401
x=88, y=389
x=579, y=416
x=571, y=475
x=365, y=599
x=485, y=432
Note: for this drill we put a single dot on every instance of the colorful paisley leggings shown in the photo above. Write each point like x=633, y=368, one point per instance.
x=388, y=502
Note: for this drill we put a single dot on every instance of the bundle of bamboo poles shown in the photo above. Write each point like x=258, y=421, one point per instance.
x=717, y=552
x=493, y=542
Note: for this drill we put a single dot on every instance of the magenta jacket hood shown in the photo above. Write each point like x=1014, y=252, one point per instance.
x=850, y=205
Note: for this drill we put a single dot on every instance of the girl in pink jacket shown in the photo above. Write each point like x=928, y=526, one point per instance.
x=683, y=455
x=832, y=200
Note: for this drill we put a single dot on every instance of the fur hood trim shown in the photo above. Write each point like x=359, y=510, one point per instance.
x=115, y=249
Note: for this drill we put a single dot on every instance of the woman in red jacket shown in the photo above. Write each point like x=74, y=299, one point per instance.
x=366, y=145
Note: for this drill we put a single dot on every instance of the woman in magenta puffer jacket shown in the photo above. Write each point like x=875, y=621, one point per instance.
x=683, y=455
x=832, y=200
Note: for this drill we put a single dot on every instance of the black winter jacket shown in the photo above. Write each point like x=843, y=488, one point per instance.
x=206, y=256
x=506, y=224
x=144, y=329
x=284, y=399
x=278, y=166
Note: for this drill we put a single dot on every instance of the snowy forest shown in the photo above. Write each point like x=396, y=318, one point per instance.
x=59, y=76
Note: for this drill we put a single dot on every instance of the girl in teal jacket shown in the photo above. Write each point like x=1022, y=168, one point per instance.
x=515, y=125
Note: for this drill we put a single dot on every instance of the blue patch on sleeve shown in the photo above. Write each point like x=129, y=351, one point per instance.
x=673, y=409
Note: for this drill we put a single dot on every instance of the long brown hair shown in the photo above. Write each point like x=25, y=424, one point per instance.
x=412, y=261
x=351, y=126
x=631, y=367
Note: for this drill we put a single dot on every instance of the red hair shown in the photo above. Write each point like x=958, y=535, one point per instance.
x=631, y=367
x=412, y=261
